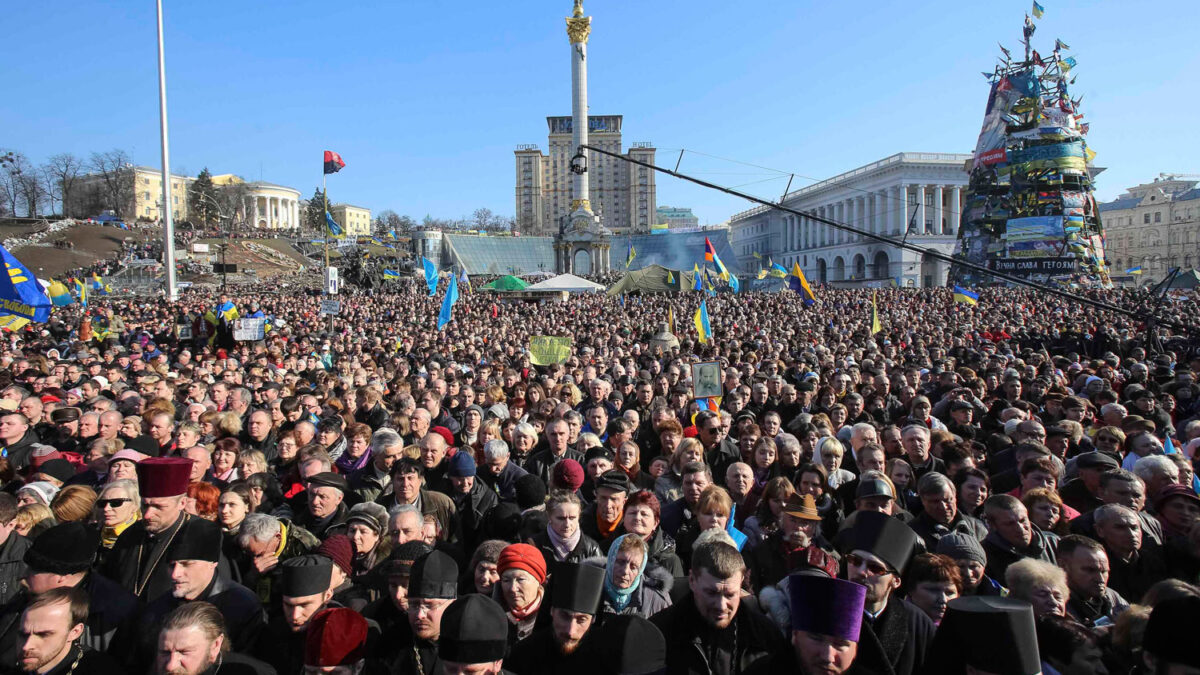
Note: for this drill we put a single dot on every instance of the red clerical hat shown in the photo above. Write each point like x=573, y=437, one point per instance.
x=336, y=637
x=163, y=476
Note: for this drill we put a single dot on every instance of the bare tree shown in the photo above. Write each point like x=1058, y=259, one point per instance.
x=482, y=218
x=234, y=200
x=116, y=176
x=61, y=173
x=22, y=185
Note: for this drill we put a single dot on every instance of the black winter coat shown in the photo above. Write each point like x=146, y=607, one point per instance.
x=695, y=647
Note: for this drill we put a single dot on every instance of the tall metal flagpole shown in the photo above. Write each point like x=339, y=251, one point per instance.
x=165, y=212
x=328, y=234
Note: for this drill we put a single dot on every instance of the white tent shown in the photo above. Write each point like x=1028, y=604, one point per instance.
x=567, y=282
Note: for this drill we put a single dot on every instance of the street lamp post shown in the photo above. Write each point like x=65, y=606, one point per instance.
x=228, y=218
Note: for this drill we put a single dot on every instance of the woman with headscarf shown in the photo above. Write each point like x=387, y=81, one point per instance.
x=633, y=585
x=521, y=589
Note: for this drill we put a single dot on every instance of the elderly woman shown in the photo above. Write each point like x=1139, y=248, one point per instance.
x=366, y=525
x=1042, y=584
x=357, y=455
x=481, y=573
x=521, y=588
x=37, y=492
x=562, y=540
x=123, y=465
x=642, y=517
x=118, y=506
x=632, y=584
x=713, y=510
x=829, y=454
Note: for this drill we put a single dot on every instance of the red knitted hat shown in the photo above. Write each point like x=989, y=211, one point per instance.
x=567, y=474
x=444, y=433
x=337, y=547
x=523, y=557
x=336, y=637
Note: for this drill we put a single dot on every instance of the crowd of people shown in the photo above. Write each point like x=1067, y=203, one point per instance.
x=1006, y=487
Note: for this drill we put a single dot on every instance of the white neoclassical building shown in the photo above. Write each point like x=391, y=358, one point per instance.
x=922, y=189
x=273, y=207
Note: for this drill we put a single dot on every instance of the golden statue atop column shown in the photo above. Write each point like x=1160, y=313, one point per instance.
x=578, y=25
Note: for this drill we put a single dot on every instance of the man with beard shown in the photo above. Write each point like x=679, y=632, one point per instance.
x=794, y=540
x=574, y=603
x=139, y=559
x=826, y=618
x=432, y=586
x=194, y=576
x=709, y=630
x=896, y=635
x=50, y=625
x=192, y=641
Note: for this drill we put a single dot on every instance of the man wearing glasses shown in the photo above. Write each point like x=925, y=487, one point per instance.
x=877, y=549
x=719, y=451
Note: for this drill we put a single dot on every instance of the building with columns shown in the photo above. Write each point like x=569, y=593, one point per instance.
x=355, y=219
x=265, y=206
x=910, y=192
x=1155, y=226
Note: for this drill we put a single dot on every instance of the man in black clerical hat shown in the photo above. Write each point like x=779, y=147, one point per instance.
x=561, y=648
x=193, y=564
x=474, y=634
x=432, y=586
x=987, y=634
x=627, y=645
x=895, y=634
x=306, y=581
x=391, y=610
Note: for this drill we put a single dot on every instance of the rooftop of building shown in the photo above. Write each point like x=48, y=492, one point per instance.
x=343, y=205
x=944, y=158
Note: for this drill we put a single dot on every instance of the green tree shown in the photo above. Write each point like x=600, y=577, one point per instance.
x=202, y=199
x=314, y=212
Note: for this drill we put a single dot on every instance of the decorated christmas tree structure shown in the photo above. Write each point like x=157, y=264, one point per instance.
x=1029, y=209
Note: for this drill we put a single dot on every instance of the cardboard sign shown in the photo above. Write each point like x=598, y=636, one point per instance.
x=250, y=329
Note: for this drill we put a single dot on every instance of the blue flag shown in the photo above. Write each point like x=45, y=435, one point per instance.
x=430, y=275
x=21, y=293
x=331, y=225
x=448, y=302
x=390, y=275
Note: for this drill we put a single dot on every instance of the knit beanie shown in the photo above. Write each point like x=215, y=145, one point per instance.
x=523, y=557
x=530, y=491
x=567, y=474
x=962, y=546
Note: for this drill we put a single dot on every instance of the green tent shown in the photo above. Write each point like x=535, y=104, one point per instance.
x=506, y=283
x=652, y=279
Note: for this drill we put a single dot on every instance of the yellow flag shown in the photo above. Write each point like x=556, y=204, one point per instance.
x=875, y=326
x=671, y=320
x=547, y=350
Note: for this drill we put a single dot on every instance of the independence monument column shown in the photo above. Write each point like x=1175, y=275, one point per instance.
x=578, y=29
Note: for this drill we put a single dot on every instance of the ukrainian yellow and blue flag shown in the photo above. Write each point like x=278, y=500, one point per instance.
x=1134, y=270
x=630, y=255
x=703, y=326
x=331, y=226
x=59, y=294
x=965, y=295
x=798, y=283
x=390, y=275
x=81, y=291
x=696, y=286
x=670, y=277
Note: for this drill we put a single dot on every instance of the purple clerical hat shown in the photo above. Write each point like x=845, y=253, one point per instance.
x=832, y=607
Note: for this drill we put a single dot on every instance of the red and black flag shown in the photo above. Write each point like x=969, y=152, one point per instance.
x=333, y=162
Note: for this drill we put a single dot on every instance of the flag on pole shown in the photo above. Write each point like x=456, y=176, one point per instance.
x=703, y=327
x=465, y=280
x=20, y=293
x=1134, y=270
x=431, y=275
x=762, y=274
x=696, y=278
x=757, y=255
x=875, y=325
x=778, y=271
x=390, y=275
x=798, y=283
x=80, y=290
x=710, y=251
x=331, y=226
x=1038, y=10
x=448, y=302
x=333, y=162
x=1059, y=44
x=670, y=277
x=630, y=255
x=965, y=295
x=734, y=284
x=97, y=282
x=59, y=294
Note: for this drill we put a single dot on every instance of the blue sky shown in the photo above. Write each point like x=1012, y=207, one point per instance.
x=427, y=100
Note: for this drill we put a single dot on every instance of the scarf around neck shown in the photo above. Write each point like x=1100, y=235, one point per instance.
x=563, y=547
x=619, y=597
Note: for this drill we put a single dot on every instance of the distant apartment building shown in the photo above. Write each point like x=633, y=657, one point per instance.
x=356, y=220
x=621, y=194
x=675, y=217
